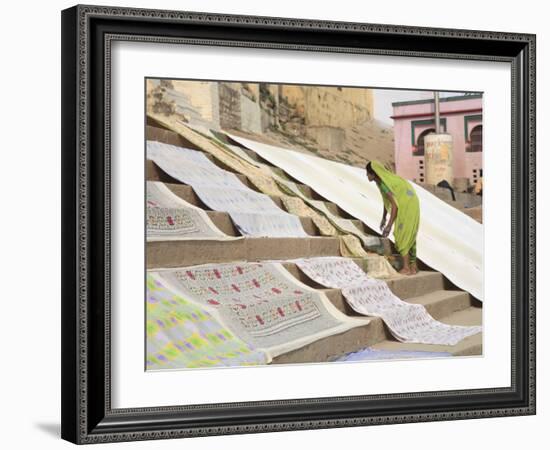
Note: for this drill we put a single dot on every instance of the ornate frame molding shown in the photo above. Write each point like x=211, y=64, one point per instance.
x=88, y=32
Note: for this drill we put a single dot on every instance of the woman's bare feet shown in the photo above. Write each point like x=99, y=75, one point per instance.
x=414, y=269
x=406, y=270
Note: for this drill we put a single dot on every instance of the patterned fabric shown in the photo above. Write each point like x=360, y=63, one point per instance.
x=345, y=225
x=253, y=213
x=261, y=303
x=295, y=205
x=379, y=267
x=181, y=334
x=190, y=166
x=291, y=188
x=268, y=182
x=350, y=246
x=407, y=322
x=171, y=218
x=371, y=354
x=264, y=184
x=243, y=155
x=206, y=144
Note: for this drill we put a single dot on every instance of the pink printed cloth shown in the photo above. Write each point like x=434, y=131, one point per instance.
x=407, y=322
x=261, y=303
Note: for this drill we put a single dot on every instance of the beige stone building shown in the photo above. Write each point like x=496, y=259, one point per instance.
x=332, y=122
x=322, y=106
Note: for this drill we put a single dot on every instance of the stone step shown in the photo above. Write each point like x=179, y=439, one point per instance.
x=427, y=288
x=472, y=345
x=154, y=173
x=187, y=193
x=439, y=304
x=223, y=221
x=187, y=253
x=422, y=283
x=155, y=132
x=377, y=336
x=405, y=287
x=336, y=210
x=349, y=341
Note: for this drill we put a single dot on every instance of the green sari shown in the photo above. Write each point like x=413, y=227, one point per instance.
x=408, y=208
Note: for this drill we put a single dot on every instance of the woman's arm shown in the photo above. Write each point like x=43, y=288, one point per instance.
x=393, y=214
x=383, y=221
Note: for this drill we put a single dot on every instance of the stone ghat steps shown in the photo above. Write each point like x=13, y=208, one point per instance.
x=169, y=137
x=404, y=287
x=427, y=287
x=439, y=304
x=327, y=348
x=164, y=254
x=470, y=346
x=223, y=221
x=186, y=192
x=376, y=335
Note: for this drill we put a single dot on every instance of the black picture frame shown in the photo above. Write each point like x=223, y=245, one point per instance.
x=87, y=33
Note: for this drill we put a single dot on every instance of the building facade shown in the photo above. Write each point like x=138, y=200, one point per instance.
x=460, y=116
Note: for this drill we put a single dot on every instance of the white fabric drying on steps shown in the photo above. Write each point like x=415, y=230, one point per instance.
x=448, y=240
x=170, y=218
x=409, y=323
x=253, y=213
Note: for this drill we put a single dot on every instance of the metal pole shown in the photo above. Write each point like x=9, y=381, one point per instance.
x=436, y=103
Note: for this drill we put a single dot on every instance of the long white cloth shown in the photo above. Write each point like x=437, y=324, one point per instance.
x=170, y=218
x=448, y=240
x=409, y=323
x=261, y=303
x=253, y=213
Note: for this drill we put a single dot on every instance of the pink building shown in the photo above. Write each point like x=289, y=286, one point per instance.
x=460, y=116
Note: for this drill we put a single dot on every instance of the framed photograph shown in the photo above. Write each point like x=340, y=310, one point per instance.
x=281, y=224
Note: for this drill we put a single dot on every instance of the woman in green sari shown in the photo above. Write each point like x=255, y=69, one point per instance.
x=401, y=202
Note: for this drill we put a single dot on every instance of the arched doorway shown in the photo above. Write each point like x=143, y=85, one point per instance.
x=419, y=151
x=476, y=139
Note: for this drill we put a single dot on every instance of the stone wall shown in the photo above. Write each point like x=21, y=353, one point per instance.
x=251, y=119
x=202, y=96
x=230, y=106
x=329, y=106
x=320, y=113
